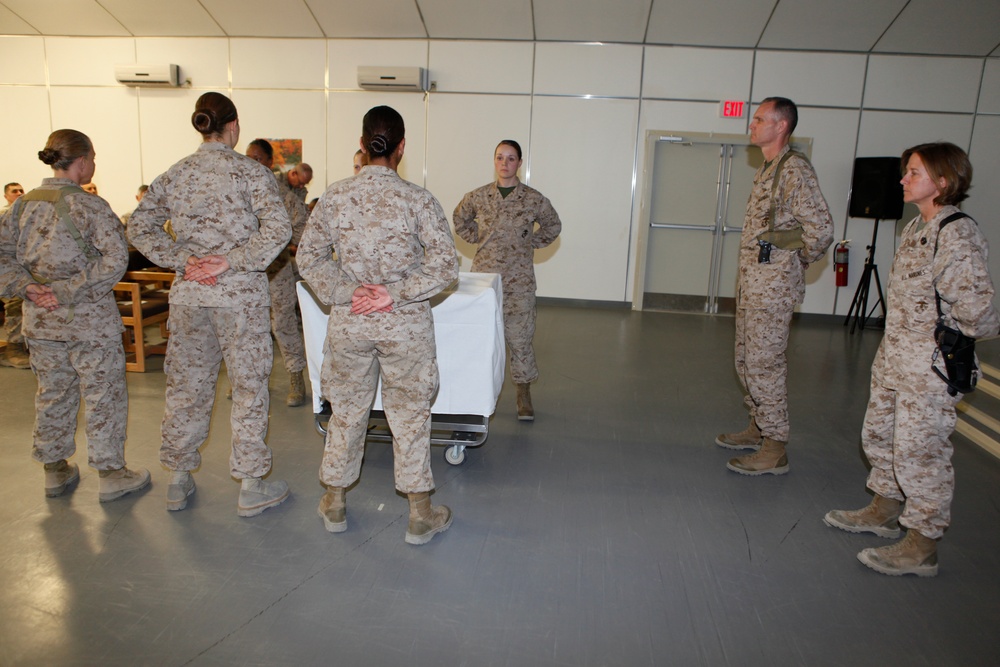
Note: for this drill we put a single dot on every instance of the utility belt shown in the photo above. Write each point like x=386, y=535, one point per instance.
x=785, y=239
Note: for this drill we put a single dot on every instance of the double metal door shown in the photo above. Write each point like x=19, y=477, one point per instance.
x=696, y=191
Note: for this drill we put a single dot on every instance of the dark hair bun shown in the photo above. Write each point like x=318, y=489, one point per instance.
x=48, y=155
x=204, y=121
x=378, y=145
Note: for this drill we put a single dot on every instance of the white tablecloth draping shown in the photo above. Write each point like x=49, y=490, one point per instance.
x=468, y=327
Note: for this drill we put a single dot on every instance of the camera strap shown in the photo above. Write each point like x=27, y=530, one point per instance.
x=951, y=218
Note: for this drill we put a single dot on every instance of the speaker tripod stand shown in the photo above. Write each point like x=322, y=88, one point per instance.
x=859, y=306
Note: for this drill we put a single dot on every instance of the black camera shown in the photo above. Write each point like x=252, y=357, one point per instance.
x=764, y=255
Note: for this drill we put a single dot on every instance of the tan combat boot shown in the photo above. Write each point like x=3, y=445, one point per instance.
x=426, y=521
x=914, y=554
x=770, y=459
x=15, y=356
x=59, y=476
x=181, y=486
x=880, y=518
x=296, y=390
x=114, y=484
x=525, y=411
x=333, y=509
x=747, y=439
x=256, y=495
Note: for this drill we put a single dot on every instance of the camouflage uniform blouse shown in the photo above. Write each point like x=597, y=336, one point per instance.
x=504, y=229
x=782, y=282
x=961, y=274
x=219, y=203
x=43, y=250
x=295, y=205
x=376, y=228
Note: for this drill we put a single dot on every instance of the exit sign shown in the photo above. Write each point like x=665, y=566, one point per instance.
x=733, y=109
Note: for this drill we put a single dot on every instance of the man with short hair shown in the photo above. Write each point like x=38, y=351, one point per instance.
x=15, y=355
x=282, y=274
x=787, y=227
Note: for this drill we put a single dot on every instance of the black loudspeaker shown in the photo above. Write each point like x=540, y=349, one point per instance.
x=875, y=189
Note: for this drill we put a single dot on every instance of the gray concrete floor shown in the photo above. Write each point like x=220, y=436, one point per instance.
x=609, y=532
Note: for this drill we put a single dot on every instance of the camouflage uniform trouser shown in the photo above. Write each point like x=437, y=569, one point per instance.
x=761, y=340
x=905, y=438
x=94, y=369
x=200, y=338
x=349, y=379
x=286, y=324
x=12, y=320
x=519, y=330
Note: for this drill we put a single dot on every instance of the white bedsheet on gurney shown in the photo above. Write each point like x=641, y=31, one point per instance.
x=468, y=327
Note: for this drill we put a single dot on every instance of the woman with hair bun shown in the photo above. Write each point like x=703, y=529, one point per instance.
x=375, y=249
x=63, y=251
x=229, y=225
x=509, y=221
x=942, y=260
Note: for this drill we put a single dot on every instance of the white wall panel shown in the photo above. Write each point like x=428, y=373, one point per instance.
x=345, y=55
x=696, y=74
x=84, y=61
x=922, y=84
x=820, y=79
x=204, y=61
x=462, y=134
x=607, y=70
x=890, y=133
x=346, y=112
x=20, y=151
x=989, y=97
x=23, y=59
x=278, y=63
x=482, y=67
x=109, y=116
x=165, y=130
x=297, y=114
x=587, y=175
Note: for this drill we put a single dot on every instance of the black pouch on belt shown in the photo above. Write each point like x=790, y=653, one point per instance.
x=959, y=354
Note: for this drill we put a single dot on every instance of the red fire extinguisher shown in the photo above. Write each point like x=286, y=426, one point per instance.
x=840, y=255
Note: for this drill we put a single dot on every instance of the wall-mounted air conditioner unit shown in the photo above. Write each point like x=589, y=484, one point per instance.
x=148, y=75
x=407, y=79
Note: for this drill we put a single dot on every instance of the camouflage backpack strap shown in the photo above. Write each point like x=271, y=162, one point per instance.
x=788, y=239
x=57, y=199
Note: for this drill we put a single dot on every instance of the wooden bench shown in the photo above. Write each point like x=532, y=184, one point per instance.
x=142, y=301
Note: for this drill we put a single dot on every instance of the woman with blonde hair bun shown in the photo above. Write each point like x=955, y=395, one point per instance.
x=63, y=250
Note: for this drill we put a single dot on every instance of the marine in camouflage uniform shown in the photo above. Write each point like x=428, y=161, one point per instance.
x=768, y=293
x=220, y=203
x=505, y=230
x=76, y=349
x=375, y=228
x=910, y=413
x=286, y=324
x=15, y=354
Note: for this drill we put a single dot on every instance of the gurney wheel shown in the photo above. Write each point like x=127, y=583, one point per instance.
x=455, y=455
